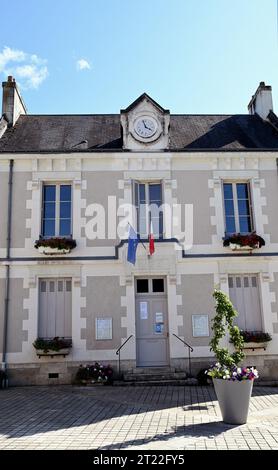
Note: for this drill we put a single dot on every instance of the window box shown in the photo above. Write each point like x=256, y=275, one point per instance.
x=51, y=352
x=52, y=347
x=239, y=242
x=54, y=246
x=253, y=346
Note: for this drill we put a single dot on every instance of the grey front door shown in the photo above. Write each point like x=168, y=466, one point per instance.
x=151, y=323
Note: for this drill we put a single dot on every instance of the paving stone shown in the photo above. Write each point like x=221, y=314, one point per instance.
x=142, y=418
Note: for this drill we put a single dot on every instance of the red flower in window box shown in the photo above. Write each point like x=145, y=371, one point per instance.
x=248, y=241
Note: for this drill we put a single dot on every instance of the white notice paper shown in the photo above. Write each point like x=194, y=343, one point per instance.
x=143, y=310
x=200, y=325
x=159, y=317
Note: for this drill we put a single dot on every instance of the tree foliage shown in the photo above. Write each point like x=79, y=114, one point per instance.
x=224, y=318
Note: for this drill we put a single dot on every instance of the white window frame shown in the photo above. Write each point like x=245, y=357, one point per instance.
x=57, y=207
x=147, y=184
x=235, y=201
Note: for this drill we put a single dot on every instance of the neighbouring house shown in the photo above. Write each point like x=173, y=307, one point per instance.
x=66, y=183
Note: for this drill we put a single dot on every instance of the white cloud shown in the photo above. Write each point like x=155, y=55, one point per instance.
x=82, y=64
x=31, y=72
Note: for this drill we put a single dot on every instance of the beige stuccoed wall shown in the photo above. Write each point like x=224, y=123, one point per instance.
x=196, y=291
x=103, y=299
x=192, y=188
x=270, y=191
x=20, y=213
x=4, y=180
x=100, y=185
x=16, y=334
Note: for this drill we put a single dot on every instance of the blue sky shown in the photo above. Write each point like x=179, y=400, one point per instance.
x=192, y=56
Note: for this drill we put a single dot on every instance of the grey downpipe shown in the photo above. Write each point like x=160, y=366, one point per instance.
x=7, y=287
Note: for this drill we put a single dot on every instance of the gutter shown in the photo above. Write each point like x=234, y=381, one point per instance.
x=7, y=286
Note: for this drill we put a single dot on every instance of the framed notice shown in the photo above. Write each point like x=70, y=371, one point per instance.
x=200, y=325
x=103, y=328
x=143, y=310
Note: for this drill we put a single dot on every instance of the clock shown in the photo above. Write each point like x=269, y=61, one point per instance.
x=145, y=127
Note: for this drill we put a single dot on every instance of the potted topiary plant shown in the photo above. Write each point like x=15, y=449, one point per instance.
x=233, y=384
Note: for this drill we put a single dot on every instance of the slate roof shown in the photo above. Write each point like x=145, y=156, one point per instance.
x=63, y=133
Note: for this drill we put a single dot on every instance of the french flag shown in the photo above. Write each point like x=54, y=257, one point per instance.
x=151, y=240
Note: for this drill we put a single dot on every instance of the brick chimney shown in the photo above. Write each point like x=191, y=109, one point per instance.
x=12, y=104
x=261, y=103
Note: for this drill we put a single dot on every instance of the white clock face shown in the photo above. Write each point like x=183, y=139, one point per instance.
x=145, y=127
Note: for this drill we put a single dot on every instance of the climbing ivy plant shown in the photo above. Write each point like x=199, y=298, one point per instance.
x=224, y=318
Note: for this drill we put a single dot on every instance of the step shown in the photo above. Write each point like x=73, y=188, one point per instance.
x=151, y=370
x=162, y=376
x=156, y=383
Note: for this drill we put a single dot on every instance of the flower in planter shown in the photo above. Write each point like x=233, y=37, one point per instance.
x=251, y=240
x=255, y=337
x=56, y=243
x=55, y=344
x=218, y=371
x=95, y=373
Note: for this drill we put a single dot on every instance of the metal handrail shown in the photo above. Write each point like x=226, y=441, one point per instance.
x=118, y=353
x=190, y=349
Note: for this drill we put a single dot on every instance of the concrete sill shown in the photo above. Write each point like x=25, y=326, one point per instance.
x=253, y=346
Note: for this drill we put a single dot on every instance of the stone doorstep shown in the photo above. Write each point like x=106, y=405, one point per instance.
x=156, y=383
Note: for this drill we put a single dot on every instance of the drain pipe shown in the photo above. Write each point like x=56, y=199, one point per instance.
x=7, y=287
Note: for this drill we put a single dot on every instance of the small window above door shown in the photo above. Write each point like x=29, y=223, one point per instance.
x=150, y=286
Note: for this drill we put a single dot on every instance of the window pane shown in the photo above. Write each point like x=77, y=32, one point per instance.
x=229, y=207
x=65, y=193
x=43, y=286
x=155, y=193
x=158, y=285
x=68, y=286
x=246, y=282
x=228, y=191
x=60, y=286
x=242, y=191
x=254, y=282
x=142, y=193
x=231, y=282
x=49, y=193
x=243, y=207
x=65, y=210
x=238, y=282
x=48, y=228
x=142, y=285
x=51, y=286
x=65, y=227
x=230, y=225
x=49, y=210
x=245, y=224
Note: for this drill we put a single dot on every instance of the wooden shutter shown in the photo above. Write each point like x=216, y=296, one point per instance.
x=244, y=294
x=55, y=308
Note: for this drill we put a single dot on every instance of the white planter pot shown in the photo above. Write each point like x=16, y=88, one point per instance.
x=46, y=250
x=51, y=352
x=233, y=399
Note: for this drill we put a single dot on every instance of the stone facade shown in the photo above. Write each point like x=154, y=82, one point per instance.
x=103, y=283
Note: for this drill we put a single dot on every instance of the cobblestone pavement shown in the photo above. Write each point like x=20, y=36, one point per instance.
x=141, y=418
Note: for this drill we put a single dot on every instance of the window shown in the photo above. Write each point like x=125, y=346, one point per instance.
x=151, y=285
x=148, y=199
x=238, y=211
x=244, y=295
x=56, y=210
x=55, y=316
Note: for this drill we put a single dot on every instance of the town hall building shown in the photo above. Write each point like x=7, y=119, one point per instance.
x=66, y=183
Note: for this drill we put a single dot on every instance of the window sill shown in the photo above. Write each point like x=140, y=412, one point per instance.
x=236, y=247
